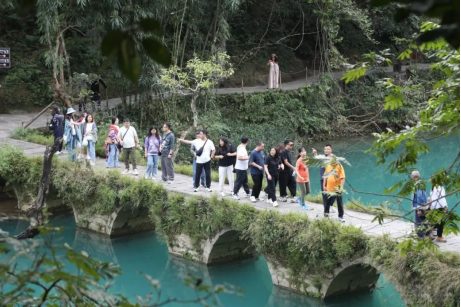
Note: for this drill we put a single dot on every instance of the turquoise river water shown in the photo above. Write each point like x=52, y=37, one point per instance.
x=147, y=253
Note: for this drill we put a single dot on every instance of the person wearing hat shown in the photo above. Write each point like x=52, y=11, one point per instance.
x=71, y=133
x=129, y=140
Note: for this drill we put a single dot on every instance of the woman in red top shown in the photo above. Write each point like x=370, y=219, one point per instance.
x=302, y=177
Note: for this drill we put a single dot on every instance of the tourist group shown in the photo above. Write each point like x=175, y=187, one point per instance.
x=277, y=166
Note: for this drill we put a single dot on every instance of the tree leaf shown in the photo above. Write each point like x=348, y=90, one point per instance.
x=151, y=25
x=112, y=42
x=156, y=51
x=128, y=60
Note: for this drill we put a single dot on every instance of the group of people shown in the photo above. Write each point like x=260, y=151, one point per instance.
x=277, y=166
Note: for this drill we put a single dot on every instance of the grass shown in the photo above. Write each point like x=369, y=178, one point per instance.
x=32, y=136
x=315, y=198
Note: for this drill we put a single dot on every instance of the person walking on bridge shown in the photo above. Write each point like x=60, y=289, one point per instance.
x=151, y=150
x=205, y=152
x=193, y=151
x=333, y=184
x=241, y=168
x=287, y=178
x=302, y=177
x=166, y=149
x=272, y=165
x=129, y=141
x=257, y=171
x=225, y=153
x=56, y=124
x=327, y=152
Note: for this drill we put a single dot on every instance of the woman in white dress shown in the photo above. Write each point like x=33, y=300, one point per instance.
x=273, y=72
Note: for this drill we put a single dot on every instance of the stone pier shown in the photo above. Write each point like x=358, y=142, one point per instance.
x=120, y=222
x=351, y=276
x=223, y=247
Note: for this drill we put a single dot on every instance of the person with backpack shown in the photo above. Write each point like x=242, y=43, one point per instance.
x=205, y=153
x=56, y=125
x=129, y=140
x=151, y=150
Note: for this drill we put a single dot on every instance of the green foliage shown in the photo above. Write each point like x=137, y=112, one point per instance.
x=358, y=205
x=417, y=271
x=32, y=135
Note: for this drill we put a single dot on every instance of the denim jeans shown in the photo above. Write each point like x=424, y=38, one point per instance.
x=112, y=160
x=202, y=178
x=92, y=151
x=71, y=148
x=152, y=166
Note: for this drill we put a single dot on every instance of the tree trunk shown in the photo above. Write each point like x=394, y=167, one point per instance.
x=34, y=212
x=182, y=136
x=194, y=110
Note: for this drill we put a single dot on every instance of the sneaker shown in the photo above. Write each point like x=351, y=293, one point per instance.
x=441, y=239
x=163, y=181
x=295, y=200
x=298, y=199
x=282, y=199
x=170, y=181
x=126, y=172
x=248, y=195
x=431, y=236
x=325, y=215
x=275, y=204
x=260, y=199
x=235, y=196
x=58, y=153
x=154, y=178
x=332, y=209
x=304, y=207
x=252, y=199
x=222, y=194
x=196, y=189
x=92, y=163
x=146, y=177
x=135, y=172
x=341, y=220
x=88, y=157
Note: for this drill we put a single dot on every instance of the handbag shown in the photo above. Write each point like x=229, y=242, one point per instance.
x=85, y=141
x=200, y=151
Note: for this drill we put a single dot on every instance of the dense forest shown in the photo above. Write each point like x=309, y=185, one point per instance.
x=60, y=38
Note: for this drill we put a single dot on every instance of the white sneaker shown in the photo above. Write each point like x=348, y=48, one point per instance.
x=275, y=204
x=126, y=172
x=135, y=172
x=88, y=157
x=222, y=194
x=153, y=178
x=235, y=196
x=209, y=190
x=294, y=200
x=332, y=210
x=341, y=220
x=58, y=153
x=196, y=190
x=252, y=199
x=170, y=181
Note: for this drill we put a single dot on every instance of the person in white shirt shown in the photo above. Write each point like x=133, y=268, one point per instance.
x=241, y=168
x=438, y=202
x=129, y=141
x=205, y=152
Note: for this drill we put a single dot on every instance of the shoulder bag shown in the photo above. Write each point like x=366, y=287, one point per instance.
x=200, y=151
x=119, y=146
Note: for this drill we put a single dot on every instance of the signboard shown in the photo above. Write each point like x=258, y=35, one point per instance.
x=5, y=58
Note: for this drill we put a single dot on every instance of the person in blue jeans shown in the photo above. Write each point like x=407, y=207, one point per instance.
x=90, y=132
x=112, y=140
x=151, y=150
x=71, y=132
x=193, y=150
x=419, y=200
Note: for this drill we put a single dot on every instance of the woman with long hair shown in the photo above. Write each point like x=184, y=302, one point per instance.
x=112, y=144
x=439, y=203
x=90, y=134
x=151, y=150
x=272, y=165
x=273, y=72
x=225, y=153
x=71, y=132
x=57, y=126
x=302, y=177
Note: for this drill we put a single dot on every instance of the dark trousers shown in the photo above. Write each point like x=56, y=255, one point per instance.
x=287, y=180
x=257, y=184
x=127, y=152
x=441, y=224
x=199, y=168
x=58, y=134
x=270, y=189
x=420, y=226
x=242, y=180
x=324, y=197
x=330, y=201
